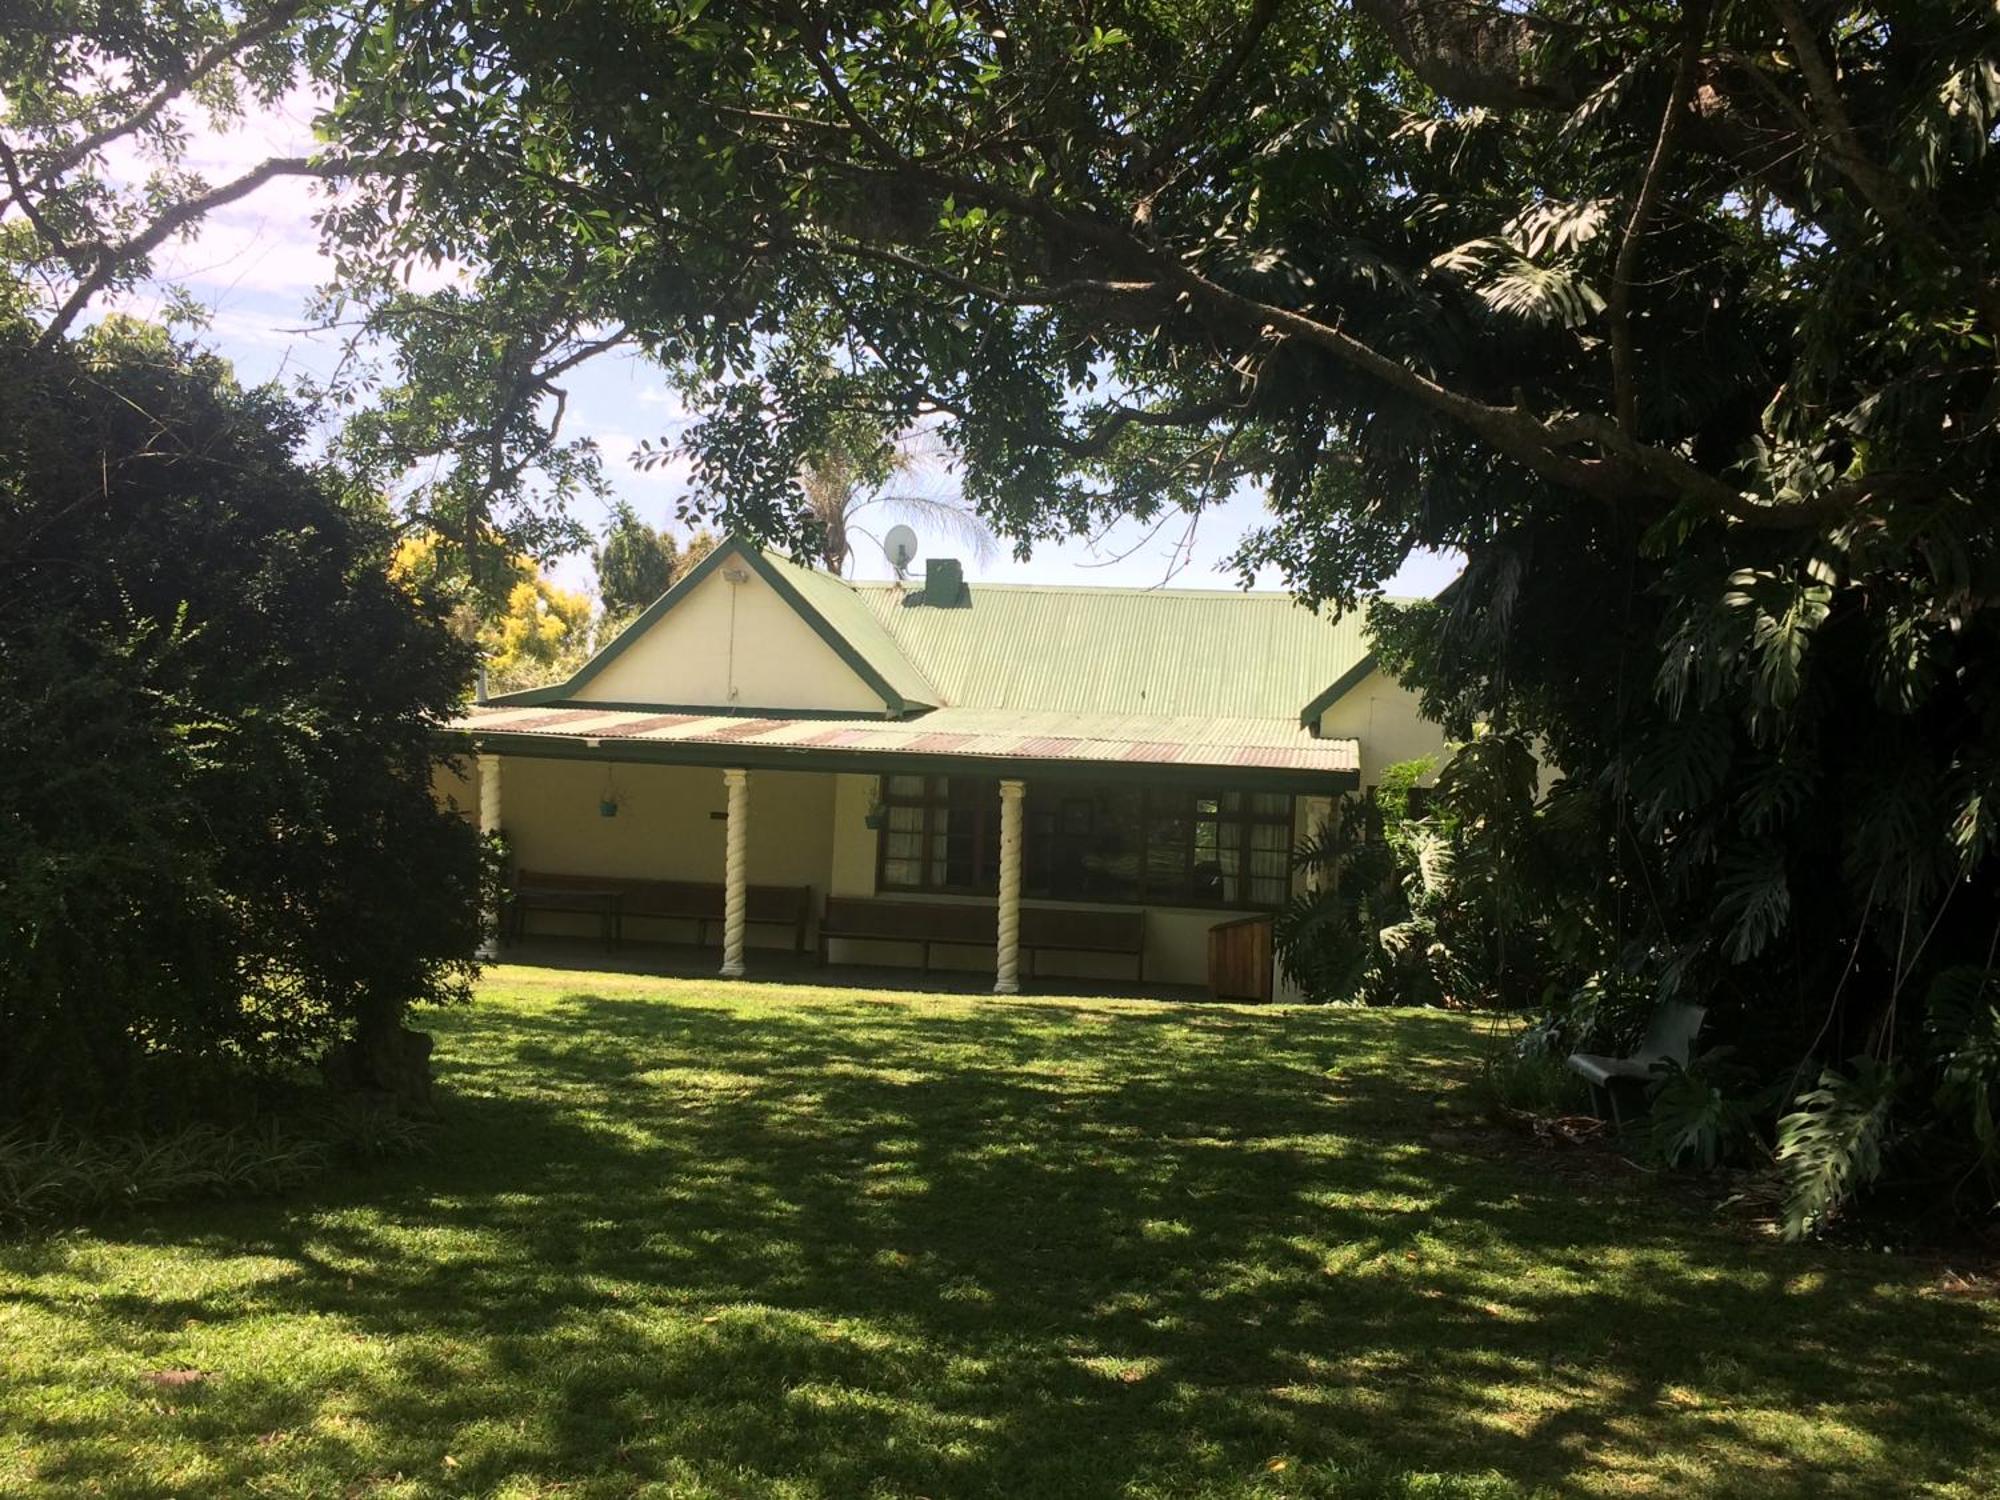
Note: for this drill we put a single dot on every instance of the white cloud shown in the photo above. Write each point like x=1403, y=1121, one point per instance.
x=655, y=394
x=673, y=472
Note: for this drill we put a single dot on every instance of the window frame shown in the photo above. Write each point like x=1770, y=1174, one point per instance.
x=1158, y=803
x=936, y=798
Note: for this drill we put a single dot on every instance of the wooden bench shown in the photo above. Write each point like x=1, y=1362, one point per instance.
x=1072, y=929
x=694, y=901
x=573, y=895
x=929, y=924
x=925, y=923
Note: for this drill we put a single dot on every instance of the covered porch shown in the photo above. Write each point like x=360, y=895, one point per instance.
x=987, y=854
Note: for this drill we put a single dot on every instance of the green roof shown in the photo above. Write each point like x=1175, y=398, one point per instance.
x=1202, y=652
x=1046, y=649
x=840, y=605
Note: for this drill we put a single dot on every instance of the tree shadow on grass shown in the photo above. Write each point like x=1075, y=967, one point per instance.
x=845, y=1248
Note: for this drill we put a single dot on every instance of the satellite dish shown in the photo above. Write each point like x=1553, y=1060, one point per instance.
x=901, y=545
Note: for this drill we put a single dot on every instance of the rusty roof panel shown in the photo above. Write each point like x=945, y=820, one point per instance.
x=1128, y=739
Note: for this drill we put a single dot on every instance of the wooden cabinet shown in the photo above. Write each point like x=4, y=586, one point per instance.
x=1239, y=959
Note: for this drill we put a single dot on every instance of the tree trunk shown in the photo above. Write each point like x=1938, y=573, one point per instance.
x=384, y=1061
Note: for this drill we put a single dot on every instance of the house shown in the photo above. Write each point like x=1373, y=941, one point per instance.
x=1074, y=782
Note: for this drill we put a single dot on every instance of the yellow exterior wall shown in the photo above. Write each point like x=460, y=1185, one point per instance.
x=1382, y=714
x=732, y=645
x=663, y=831
x=853, y=872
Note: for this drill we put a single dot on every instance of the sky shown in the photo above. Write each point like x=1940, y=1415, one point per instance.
x=255, y=264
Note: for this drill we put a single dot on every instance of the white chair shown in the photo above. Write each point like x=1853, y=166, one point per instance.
x=1669, y=1039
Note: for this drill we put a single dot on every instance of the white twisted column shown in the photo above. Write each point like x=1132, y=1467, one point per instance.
x=735, y=872
x=1007, y=958
x=489, y=823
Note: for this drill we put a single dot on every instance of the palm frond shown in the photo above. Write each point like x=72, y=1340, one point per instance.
x=950, y=519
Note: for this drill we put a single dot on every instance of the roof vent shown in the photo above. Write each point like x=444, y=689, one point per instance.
x=944, y=582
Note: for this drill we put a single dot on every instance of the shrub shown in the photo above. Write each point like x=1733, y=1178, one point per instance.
x=1520, y=1077
x=50, y=1175
x=218, y=846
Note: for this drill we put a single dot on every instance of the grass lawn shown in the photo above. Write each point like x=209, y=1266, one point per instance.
x=694, y=1238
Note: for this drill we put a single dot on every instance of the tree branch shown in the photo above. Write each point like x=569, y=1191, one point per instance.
x=1036, y=296
x=1624, y=394
x=1262, y=14
x=1623, y=469
x=583, y=352
x=1877, y=187
x=18, y=194
x=1477, y=53
x=879, y=144
x=171, y=87
x=110, y=258
x=1100, y=439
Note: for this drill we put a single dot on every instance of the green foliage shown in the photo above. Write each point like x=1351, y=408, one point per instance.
x=1519, y=1078
x=98, y=105
x=1963, y=1025
x=635, y=563
x=465, y=431
x=218, y=846
x=1706, y=1112
x=51, y=1176
x=1834, y=1144
x=1326, y=936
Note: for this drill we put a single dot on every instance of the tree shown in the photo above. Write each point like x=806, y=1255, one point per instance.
x=851, y=472
x=543, y=636
x=541, y=632
x=219, y=849
x=1679, y=321
x=80, y=81
x=698, y=546
x=98, y=105
x=635, y=564
x=1218, y=236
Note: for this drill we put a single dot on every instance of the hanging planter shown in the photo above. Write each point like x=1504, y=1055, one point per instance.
x=607, y=803
x=877, y=816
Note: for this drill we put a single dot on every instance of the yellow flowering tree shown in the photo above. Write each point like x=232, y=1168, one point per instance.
x=542, y=635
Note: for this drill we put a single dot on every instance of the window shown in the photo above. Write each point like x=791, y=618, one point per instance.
x=941, y=834
x=1082, y=842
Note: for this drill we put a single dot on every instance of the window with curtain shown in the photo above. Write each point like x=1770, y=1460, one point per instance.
x=942, y=834
x=1163, y=846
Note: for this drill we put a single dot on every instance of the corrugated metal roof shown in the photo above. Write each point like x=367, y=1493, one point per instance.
x=1127, y=739
x=1165, y=652
x=842, y=607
